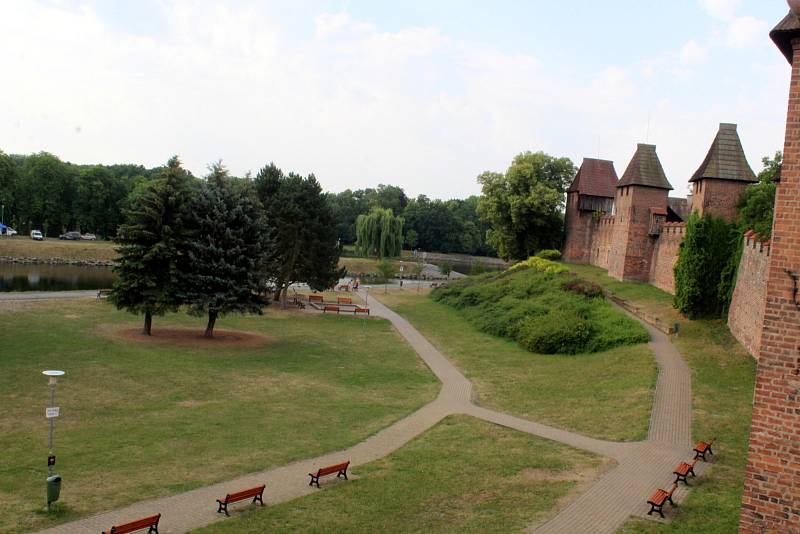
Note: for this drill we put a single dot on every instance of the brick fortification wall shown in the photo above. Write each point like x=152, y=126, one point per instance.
x=771, y=501
x=665, y=256
x=718, y=197
x=746, y=314
x=580, y=226
x=601, y=244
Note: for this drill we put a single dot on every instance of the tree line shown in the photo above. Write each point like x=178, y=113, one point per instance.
x=217, y=245
x=518, y=213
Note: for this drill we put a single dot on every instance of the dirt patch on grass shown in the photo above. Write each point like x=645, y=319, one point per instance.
x=189, y=337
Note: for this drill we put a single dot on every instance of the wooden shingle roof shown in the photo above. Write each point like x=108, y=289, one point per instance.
x=596, y=177
x=725, y=159
x=645, y=169
x=784, y=32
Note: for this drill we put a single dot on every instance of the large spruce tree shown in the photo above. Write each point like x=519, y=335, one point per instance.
x=223, y=272
x=150, y=243
x=303, y=228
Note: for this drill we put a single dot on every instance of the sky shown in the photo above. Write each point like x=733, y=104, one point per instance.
x=424, y=94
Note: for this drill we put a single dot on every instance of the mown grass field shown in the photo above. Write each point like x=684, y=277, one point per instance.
x=606, y=394
x=463, y=475
x=24, y=247
x=143, y=419
x=723, y=377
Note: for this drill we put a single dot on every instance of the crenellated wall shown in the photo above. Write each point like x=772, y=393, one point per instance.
x=665, y=256
x=746, y=314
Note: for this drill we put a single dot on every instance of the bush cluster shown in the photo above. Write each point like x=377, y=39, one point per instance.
x=549, y=254
x=546, y=310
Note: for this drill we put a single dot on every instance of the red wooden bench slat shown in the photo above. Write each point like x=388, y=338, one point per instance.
x=315, y=298
x=339, y=469
x=256, y=493
x=701, y=448
x=139, y=524
x=361, y=310
x=659, y=498
x=330, y=308
x=344, y=300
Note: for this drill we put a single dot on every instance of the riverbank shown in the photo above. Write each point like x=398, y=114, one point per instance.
x=23, y=250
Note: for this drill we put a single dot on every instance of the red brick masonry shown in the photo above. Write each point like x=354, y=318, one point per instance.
x=746, y=314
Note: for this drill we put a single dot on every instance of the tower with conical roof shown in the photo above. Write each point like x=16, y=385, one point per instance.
x=641, y=210
x=592, y=192
x=722, y=177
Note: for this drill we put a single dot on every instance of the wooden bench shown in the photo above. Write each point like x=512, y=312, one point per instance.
x=315, y=298
x=339, y=469
x=330, y=308
x=358, y=310
x=702, y=448
x=344, y=287
x=103, y=293
x=659, y=498
x=256, y=494
x=684, y=470
x=344, y=300
x=150, y=523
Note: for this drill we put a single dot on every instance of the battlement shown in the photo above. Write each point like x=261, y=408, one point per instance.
x=752, y=243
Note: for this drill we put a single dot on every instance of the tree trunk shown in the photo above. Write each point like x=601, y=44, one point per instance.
x=277, y=296
x=283, y=297
x=148, y=323
x=212, y=318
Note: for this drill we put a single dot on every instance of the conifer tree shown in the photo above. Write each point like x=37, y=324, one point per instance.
x=222, y=270
x=150, y=242
x=303, y=228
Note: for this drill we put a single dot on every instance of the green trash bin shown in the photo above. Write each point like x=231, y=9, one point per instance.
x=53, y=488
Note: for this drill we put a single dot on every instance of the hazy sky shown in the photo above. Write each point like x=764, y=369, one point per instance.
x=422, y=94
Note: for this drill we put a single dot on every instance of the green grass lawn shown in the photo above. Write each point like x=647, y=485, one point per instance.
x=723, y=376
x=463, y=475
x=24, y=247
x=146, y=419
x=606, y=394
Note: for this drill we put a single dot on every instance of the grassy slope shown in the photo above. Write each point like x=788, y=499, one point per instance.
x=464, y=475
x=606, y=395
x=23, y=247
x=723, y=375
x=145, y=420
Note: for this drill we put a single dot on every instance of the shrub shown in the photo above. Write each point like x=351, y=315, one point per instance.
x=558, y=332
x=541, y=265
x=535, y=308
x=583, y=287
x=703, y=256
x=549, y=254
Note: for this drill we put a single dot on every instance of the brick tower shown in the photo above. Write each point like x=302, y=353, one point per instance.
x=641, y=209
x=591, y=192
x=722, y=177
x=771, y=501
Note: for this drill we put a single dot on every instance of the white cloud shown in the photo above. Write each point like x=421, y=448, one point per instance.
x=353, y=103
x=721, y=9
x=744, y=32
x=692, y=53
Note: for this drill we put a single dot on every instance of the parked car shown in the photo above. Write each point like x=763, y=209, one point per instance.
x=11, y=231
x=70, y=236
x=89, y=237
x=36, y=235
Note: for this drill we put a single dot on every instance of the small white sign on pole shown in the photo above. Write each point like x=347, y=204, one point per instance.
x=52, y=412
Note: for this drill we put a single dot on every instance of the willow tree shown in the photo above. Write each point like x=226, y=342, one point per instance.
x=379, y=233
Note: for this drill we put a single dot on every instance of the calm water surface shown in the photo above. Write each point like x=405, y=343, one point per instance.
x=17, y=277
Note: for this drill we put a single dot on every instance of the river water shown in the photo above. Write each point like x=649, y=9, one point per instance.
x=26, y=277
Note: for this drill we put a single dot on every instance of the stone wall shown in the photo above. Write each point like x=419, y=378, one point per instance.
x=746, y=314
x=665, y=256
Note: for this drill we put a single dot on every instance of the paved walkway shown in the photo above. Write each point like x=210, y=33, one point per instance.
x=602, y=508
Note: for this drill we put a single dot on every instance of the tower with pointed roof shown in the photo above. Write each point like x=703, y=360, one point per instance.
x=591, y=193
x=641, y=210
x=722, y=177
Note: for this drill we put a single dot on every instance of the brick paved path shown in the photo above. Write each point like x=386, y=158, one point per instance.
x=602, y=508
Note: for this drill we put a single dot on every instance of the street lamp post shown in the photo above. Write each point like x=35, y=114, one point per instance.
x=51, y=413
